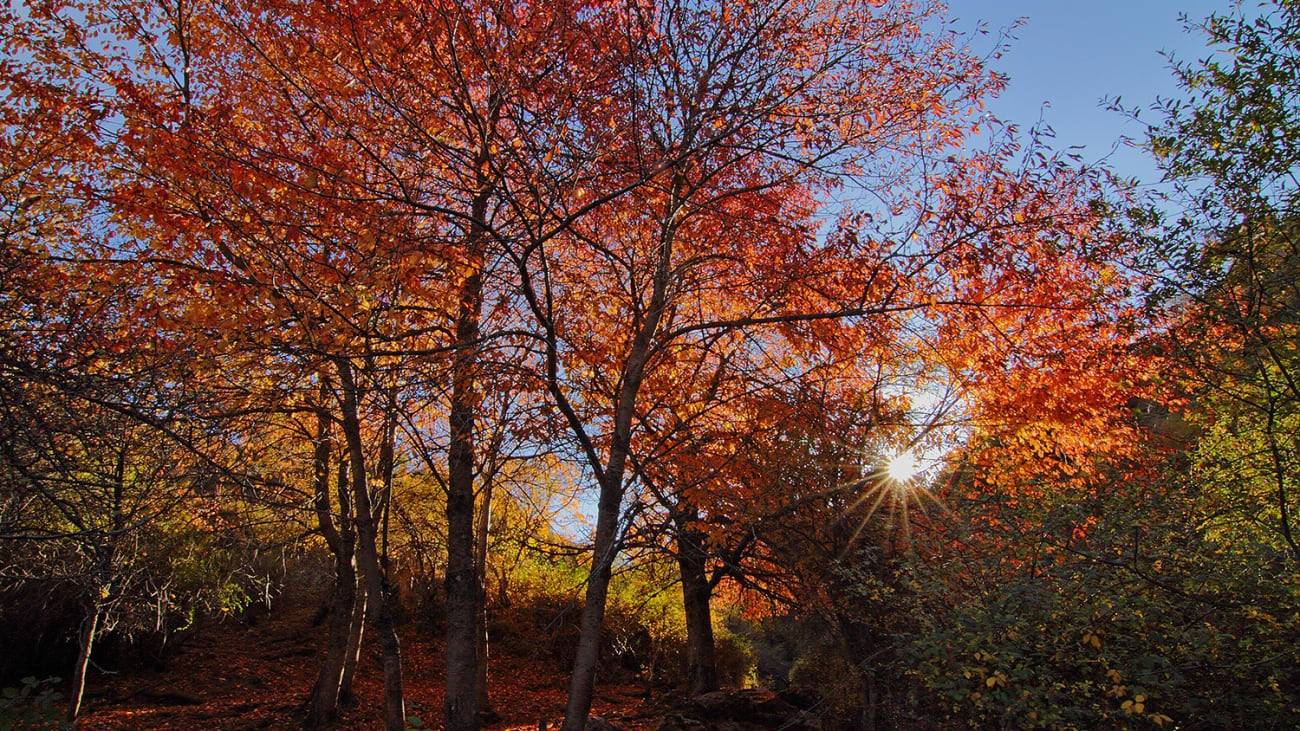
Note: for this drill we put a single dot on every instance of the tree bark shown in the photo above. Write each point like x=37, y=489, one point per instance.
x=323, y=704
x=380, y=614
x=326, y=697
x=701, y=654
x=481, y=647
x=464, y=594
x=583, y=683
x=356, y=632
x=386, y=476
x=86, y=641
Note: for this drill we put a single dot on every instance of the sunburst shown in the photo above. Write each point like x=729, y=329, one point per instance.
x=898, y=487
x=903, y=466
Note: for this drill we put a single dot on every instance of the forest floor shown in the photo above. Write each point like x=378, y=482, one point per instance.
x=239, y=676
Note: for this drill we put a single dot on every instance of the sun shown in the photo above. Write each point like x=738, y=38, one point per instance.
x=903, y=467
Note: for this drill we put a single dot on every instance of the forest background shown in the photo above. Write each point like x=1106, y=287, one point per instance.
x=704, y=343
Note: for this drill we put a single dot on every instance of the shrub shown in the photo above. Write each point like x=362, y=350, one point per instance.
x=31, y=705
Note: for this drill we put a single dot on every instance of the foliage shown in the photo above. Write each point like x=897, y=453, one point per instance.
x=835, y=682
x=1116, y=603
x=1147, y=576
x=289, y=268
x=1082, y=646
x=31, y=705
x=1226, y=267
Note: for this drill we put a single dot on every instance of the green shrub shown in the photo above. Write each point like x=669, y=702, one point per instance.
x=31, y=705
x=835, y=683
x=735, y=658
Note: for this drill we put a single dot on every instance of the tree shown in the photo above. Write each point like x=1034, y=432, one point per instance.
x=331, y=174
x=105, y=422
x=1155, y=565
x=379, y=212
x=1228, y=263
x=737, y=136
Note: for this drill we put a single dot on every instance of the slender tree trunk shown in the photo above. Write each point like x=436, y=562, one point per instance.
x=326, y=697
x=357, y=620
x=608, y=509
x=386, y=477
x=104, y=573
x=582, y=685
x=381, y=615
x=356, y=631
x=482, y=528
x=463, y=592
x=85, y=642
x=464, y=595
x=701, y=658
x=323, y=704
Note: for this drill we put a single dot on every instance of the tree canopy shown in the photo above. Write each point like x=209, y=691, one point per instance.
x=644, y=293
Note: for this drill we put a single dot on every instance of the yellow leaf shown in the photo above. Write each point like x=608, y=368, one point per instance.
x=992, y=681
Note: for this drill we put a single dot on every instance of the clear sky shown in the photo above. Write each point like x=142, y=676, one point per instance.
x=1073, y=53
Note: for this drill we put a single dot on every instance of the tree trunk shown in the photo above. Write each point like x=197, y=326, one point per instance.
x=323, y=704
x=386, y=478
x=326, y=697
x=482, y=528
x=356, y=631
x=461, y=704
x=701, y=658
x=583, y=683
x=380, y=614
x=86, y=641
x=464, y=594
x=357, y=621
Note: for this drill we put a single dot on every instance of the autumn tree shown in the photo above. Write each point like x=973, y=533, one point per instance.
x=744, y=116
x=106, y=427
x=379, y=212
x=1148, y=563
x=332, y=175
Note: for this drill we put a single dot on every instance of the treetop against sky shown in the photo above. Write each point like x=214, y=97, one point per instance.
x=1066, y=58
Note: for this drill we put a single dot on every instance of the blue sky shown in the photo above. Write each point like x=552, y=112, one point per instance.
x=1073, y=53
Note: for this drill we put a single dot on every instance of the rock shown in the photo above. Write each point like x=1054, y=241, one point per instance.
x=738, y=710
x=678, y=722
x=769, y=704
x=717, y=704
x=799, y=697
x=802, y=721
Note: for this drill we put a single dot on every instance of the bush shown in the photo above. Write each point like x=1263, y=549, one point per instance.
x=31, y=705
x=834, y=682
x=735, y=657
